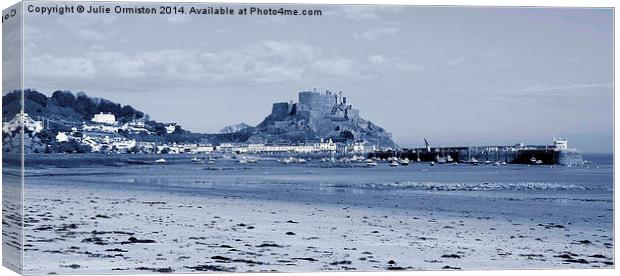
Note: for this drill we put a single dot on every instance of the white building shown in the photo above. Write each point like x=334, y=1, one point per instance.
x=274, y=148
x=22, y=119
x=123, y=145
x=204, y=148
x=363, y=147
x=327, y=146
x=96, y=143
x=137, y=123
x=193, y=148
x=104, y=141
x=146, y=146
x=135, y=128
x=62, y=137
x=171, y=128
x=225, y=147
x=103, y=127
x=560, y=144
x=104, y=118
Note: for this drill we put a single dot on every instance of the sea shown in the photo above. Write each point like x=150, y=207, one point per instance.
x=515, y=191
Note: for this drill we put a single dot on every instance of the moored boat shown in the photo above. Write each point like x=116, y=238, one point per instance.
x=473, y=161
x=138, y=162
x=198, y=160
x=403, y=162
x=440, y=160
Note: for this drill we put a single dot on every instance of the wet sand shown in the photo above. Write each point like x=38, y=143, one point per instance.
x=77, y=229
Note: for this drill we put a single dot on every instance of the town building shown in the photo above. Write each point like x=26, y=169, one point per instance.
x=106, y=142
x=104, y=118
x=362, y=147
x=30, y=125
x=109, y=128
x=171, y=128
x=135, y=126
x=62, y=137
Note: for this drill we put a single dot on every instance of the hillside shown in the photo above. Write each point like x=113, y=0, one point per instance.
x=64, y=107
x=234, y=128
x=316, y=116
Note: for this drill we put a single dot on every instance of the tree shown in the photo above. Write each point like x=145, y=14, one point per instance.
x=36, y=97
x=46, y=136
x=64, y=99
x=108, y=106
x=10, y=97
x=129, y=113
x=160, y=129
x=71, y=146
x=85, y=106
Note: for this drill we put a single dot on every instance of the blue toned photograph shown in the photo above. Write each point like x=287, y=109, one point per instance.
x=213, y=138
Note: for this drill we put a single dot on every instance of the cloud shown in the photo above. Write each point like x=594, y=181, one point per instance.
x=473, y=60
x=258, y=63
x=486, y=61
x=81, y=28
x=262, y=62
x=90, y=35
x=576, y=91
x=381, y=63
x=367, y=12
x=177, y=19
x=278, y=20
x=360, y=12
x=118, y=65
x=564, y=88
x=273, y=61
x=376, y=32
x=47, y=66
x=84, y=20
x=377, y=59
x=32, y=32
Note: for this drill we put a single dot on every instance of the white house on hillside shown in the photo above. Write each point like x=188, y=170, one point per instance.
x=104, y=118
x=19, y=120
x=62, y=137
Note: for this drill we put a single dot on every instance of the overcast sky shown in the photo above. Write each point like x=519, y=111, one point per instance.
x=453, y=75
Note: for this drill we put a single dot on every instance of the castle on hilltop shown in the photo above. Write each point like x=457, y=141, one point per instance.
x=311, y=103
x=317, y=116
x=329, y=104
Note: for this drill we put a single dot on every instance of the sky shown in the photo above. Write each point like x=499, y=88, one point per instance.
x=452, y=75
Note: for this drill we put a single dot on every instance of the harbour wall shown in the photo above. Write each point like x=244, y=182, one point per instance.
x=508, y=154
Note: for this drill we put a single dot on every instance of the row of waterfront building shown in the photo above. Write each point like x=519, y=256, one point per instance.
x=99, y=142
x=119, y=144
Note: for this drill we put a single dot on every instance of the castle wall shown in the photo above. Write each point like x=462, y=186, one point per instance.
x=280, y=110
x=317, y=102
x=354, y=115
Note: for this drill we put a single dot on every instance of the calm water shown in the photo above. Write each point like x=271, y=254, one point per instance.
x=516, y=191
x=599, y=158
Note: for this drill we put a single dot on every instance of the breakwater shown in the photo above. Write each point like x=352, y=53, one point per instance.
x=538, y=155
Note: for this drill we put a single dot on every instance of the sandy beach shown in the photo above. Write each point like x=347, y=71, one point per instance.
x=75, y=229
